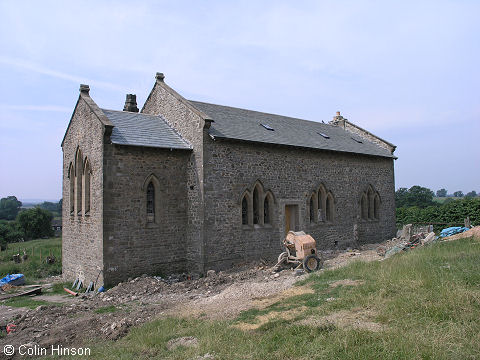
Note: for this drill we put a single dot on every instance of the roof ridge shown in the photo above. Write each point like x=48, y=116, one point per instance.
x=264, y=113
x=129, y=112
x=157, y=117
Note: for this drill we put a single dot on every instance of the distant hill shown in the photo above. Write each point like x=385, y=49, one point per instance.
x=28, y=203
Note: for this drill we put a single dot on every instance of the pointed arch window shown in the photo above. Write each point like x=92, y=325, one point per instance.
x=322, y=203
x=71, y=177
x=266, y=211
x=370, y=204
x=256, y=206
x=86, y=186
x=312, y=210
x=150, y=202
x=268, y=208
x=78, y=182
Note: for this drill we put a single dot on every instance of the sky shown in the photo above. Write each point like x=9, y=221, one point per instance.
x=408, y=71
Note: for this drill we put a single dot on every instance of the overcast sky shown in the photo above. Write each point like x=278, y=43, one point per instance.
x=408, y=71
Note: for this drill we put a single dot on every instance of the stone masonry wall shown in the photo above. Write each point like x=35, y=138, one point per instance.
x=292, y=175
x=82, y=234
x=132, y=246
x=367, y=135
x=182, y=117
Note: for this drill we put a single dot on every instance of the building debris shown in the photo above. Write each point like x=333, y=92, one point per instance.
x=406, y=241
x=452, y=231
x=474, y=231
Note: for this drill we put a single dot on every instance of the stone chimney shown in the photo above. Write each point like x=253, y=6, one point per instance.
x=337, y=116
x=338, y=120
x=131, y=103
x=84, y=89
x=160, y=76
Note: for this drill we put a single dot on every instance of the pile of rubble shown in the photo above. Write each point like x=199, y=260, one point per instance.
x=405, y=241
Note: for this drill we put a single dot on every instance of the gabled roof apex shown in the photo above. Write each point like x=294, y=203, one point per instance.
x=85, y=96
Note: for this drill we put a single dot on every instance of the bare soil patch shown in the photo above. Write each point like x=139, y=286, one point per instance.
x=347, y=319
x=111, y=314
x=273, y=315
x=346, y=282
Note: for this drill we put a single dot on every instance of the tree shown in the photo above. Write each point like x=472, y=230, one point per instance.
x=401, y=197
x=9, y=233
x=415, y=196
x=9, y=207
x=458, y=194
x=35, y=223
x=471, y=194
x=54, y=207
x=441, y=193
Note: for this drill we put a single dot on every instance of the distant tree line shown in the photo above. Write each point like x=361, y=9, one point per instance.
x=459, y=193
x=417, y=205
x=18, y=224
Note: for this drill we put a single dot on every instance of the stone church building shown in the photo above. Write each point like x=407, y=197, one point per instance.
x=189, y=186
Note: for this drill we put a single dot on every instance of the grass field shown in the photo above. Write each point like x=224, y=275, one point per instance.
x=35, y=267
x=424, y=304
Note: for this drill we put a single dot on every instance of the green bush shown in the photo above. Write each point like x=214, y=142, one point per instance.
x=35, y=223
x=449, y=212
x=9, y=233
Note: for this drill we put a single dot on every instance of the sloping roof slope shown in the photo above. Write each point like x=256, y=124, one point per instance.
x=241, y=124
x=137, y=129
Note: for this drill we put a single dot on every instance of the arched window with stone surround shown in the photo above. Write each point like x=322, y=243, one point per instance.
x=322, y=203
x=247, y=208
x=71, y=178
x=78, y=181
x=86, y=186
x=312, y=210
x=268, y=208
x=151, y=194
x=256, y=206
x=150, y=202
x=370, y=202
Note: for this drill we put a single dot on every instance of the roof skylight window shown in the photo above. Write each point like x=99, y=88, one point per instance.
x=268, y=127
x=357, y=140
x=324, y=135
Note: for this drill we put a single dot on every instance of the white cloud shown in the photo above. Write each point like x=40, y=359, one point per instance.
x=38, y=68
x=52, y=108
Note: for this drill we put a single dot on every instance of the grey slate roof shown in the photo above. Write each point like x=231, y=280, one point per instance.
x=241, y=124
x=137, y=129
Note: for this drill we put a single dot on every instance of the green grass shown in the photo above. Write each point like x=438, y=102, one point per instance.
x=106, y=309
x=57, y=288
x=33, y=268
x=24, y=301
x=427, y=300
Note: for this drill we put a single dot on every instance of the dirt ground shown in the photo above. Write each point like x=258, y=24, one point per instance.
x=70, y=321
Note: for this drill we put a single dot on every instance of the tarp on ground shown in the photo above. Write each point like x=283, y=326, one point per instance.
x=14, y=279
x=452, y=231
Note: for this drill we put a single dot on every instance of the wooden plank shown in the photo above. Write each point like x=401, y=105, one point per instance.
x=33, y=291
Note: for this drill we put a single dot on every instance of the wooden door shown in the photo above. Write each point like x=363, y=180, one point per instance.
x=290, y=218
